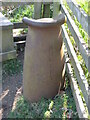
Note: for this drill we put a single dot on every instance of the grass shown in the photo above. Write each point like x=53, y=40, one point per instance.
x=84, y=4
x=85, y=37
x=62, y=106
x=83, y=33
x=11, y=67
x=79, y=56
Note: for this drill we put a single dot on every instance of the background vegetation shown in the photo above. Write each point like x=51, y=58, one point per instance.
x=85, y=38
x=84, y=4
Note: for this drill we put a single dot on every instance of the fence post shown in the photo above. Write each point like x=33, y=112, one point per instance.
x=89, y=101
x=46, y=11
x=56, y=8
x=37, y=9
x=89, y=30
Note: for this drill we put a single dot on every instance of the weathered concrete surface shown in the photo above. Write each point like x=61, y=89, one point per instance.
x=7, y=50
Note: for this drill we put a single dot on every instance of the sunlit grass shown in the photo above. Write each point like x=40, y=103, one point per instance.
x=84, y=36
x=81, y=30
x=79, y=56
x=61, y=106
x=84, y=5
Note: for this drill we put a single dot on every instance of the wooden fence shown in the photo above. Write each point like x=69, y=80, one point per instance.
x=82, y=17
x=85, y=52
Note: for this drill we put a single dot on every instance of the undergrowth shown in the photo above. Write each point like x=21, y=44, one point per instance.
x=85, y=37
x=11, y=67
x=61, y=106
x=79, y=56
x=84, y=4
x=81, y=30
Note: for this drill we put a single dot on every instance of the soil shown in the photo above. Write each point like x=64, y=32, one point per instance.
x=11, y=90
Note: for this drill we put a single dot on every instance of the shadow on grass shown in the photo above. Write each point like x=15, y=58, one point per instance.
x=11, y=83
x=61, y=106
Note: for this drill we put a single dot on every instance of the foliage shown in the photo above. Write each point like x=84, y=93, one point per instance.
x=11, y=67
x=61, y=106
x=79, y=56
x=85, y=37
x=16, y=14
x=84, y=4
x=83, y=33
x=22, y=11
x=51, y=10
x=82, y=62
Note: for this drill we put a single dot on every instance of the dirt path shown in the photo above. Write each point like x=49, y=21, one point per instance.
x=11, y=91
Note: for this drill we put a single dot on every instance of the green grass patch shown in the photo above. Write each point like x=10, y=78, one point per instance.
x=62, y=106
x=84, y=36
x=81, y=30
x=11, y=67
x=84, y=4
x=79, y=56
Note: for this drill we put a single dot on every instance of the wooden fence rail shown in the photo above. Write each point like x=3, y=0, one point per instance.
x=85, y=52
x=75, y=90
x=77, y=68
x=82, y=17
x=23, y=2
x=17, y=25
x=82, y=47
